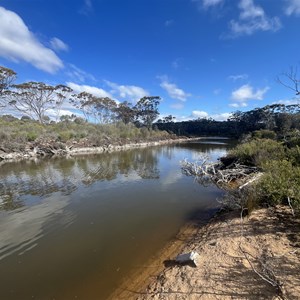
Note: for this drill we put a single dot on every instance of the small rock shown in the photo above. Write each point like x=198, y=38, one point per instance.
x=187, y=257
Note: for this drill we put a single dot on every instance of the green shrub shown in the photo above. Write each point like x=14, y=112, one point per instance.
x=293, y=141
x=280, y=182
x=65, y=136
x=32, y=136
x=264, y=134
x=293, y=155
x=257, y=152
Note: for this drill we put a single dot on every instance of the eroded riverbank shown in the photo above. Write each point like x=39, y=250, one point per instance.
x=54, y=149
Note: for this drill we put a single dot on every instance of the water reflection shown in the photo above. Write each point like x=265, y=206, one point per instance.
x=44, y=177
x=21, y=230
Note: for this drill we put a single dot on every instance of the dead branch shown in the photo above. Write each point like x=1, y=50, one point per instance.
x=290, y=80
x=206, y=171
x=266, y=272
x=291, y=207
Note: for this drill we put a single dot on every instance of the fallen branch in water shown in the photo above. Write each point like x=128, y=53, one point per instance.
x=206, y=171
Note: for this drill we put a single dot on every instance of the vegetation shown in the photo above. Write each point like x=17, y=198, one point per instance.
x=279, y=160
x=278, y=118
x=15, y=133
x=96, y=121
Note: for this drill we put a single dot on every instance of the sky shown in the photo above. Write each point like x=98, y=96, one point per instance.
x=204, y=58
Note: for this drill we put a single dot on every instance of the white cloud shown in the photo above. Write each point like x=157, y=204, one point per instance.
x=288, y=102
x=17, y=43
x=237, y=105
x=293, y=7
x=203, y=114
x=129, y=92
x=58, y=45
x=77, y=74
x=252, y=18
x=53, y=114
x=238, y=77
x=242, y=95
x=89, y=89
x=173, y=91
x=199, y=114
x=221, y=117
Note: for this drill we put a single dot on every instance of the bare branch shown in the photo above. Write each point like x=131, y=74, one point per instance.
x=290, y=80
x=206, y=171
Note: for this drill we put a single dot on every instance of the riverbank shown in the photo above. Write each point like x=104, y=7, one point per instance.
x=32, y=150
x=257, y=257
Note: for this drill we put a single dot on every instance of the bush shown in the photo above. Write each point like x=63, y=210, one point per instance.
x=293, y=155
x=145, y=133
x=264, y=134
x=280, y=182
x=257, y=152
x=65, y=136
x=31, y=136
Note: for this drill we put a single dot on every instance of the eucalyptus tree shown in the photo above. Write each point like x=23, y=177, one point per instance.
x=126, y=112
x=7, y=76
x=147, y=109
x=79, y=100
x=101, y=110
x=35, y=99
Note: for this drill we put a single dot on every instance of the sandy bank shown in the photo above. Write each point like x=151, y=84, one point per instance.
x=235, y=255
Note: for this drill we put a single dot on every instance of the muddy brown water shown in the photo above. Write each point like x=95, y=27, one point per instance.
x=74, y=228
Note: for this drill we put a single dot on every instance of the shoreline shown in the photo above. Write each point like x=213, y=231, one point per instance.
x=231, y=252
x=143, y=276
x=49, y=151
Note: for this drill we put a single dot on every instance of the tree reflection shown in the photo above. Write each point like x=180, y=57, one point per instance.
x=26, y=182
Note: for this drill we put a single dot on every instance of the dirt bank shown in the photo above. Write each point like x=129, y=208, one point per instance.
x=60, y=149
x=237, y=259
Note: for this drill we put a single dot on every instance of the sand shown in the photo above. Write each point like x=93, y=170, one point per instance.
x=257, y=257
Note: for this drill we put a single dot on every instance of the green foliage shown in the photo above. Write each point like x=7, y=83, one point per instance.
x=31, y=136
x=280, y=182
x=293, y=155
x=65, y=136
x=257, y=152
x=280, y=163
x=264, y=134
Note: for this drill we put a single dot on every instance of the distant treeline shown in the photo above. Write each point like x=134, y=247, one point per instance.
x=279, y=118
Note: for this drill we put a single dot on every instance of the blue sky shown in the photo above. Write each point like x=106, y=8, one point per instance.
x=205, y=58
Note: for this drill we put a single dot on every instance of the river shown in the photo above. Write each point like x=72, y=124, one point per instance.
x=73, y=228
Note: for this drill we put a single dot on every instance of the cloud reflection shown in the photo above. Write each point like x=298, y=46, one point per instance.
x=21, y=230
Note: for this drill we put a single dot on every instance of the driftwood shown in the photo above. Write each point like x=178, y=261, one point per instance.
x=216, y=172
